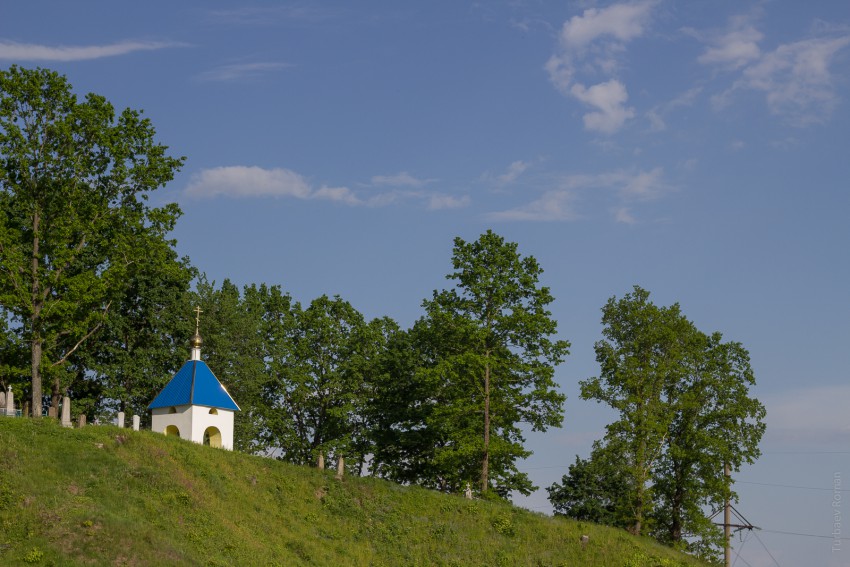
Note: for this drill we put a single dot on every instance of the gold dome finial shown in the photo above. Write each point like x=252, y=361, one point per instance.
x=196, y=338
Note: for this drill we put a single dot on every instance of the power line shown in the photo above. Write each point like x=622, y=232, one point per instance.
x=738, y=551
x=806, y=453
x=793, y=486
x=767, y=550
x=806, y=535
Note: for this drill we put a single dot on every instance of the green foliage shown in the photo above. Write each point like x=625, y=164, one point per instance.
x=319, y=368
x=235, y=343
x=33, y=556
x=593, y=489
x=143, y=340
x=477, y=365
x=74, y=177
x=685, y=410
x=100, y=496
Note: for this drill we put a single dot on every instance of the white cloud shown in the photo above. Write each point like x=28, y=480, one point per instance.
x=402, y=179
x=560, y=71
x=256, y=182
x=438, y=201
x=624, y=215
x=609, y=99
x=656, y=122
x=10, y=50
x=595, y=42
x=516, y=169
x=622, y=22
x=273, y=15
x=338, y=194
x=560, y=204
x=656, y=114
x=243, y=181
x=796, y=78
x=241, y=71
x=736, y=47
x=644, y=185
x=551, y=206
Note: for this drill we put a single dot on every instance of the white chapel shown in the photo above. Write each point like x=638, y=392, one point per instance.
x=194, y=405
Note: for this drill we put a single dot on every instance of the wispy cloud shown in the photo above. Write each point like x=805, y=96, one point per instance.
x=657, y=114
x=272, y=15
x=439, y=201
x=551, y=206
x=516, y=169
x=511, y=174
x=624, y=215
x=795, y=77
x=10, y=50
x=257, y=182
x=561, y=204
x=735, y=47
x=402, y=179
x=241, y=71
x=595, y=40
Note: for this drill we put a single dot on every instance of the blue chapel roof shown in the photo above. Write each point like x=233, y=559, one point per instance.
x=194, y=384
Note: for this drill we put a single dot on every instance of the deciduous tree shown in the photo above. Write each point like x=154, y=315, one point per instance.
x=74, y=178
x=684, y=410
x=494, y=359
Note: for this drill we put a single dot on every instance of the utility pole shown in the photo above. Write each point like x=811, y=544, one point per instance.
x=727, y=524
x=727, y=520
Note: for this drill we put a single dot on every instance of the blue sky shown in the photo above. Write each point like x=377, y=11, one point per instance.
x=699, y=149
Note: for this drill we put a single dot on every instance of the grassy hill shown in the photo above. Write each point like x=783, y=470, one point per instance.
x=105, y=496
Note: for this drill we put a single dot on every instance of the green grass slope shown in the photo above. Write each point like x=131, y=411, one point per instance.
x=104, y=496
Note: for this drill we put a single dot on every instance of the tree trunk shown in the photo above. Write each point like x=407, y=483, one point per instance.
x=676, y=507
x=55, y=395
x=35, y=320
x=36, y=377
x=485, y=465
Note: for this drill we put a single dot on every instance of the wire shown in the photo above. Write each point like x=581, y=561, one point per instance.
x=806, y=453
x=793, y=486
x=806, y=535
x=739, y=550
x=767, y=550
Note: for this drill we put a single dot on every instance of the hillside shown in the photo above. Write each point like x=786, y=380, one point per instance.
x=104, y=496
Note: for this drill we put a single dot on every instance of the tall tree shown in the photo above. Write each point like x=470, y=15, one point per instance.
x=12, y=357
x=234, y=347
x=684, y=410
x=145, y=337
x=74, y=178
x=319, y=381
x=498, y=369
x=642, y=353
x=716, y=422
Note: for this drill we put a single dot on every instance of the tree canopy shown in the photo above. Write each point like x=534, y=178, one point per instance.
x=486, y=366
x=74, y=179
x=684, y=411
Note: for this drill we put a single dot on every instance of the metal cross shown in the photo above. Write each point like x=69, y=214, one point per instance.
x=197, y=318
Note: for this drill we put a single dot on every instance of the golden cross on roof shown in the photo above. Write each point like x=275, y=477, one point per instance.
x=197, y=318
